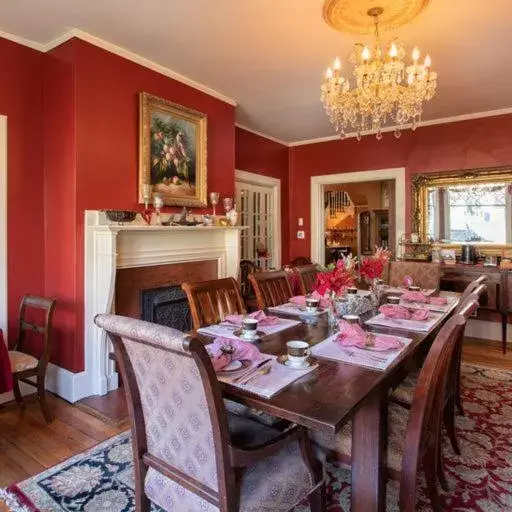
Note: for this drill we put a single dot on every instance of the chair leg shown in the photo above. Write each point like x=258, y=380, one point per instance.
x=440, y=469
x=41, y=395
x=318, y=500
x=433, y=494
x=449, y=423
x=17, y=393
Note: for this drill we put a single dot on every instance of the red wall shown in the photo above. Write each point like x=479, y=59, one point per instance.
x=20, y=101
x=263, y=156
x=470, y=144
x=103, y=119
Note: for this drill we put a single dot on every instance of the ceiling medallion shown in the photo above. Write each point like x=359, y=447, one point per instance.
x=386, y=89
x=352, y=15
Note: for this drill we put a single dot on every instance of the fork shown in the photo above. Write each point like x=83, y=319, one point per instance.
x=263, y=371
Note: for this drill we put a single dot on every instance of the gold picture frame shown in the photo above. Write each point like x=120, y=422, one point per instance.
x=172, y=151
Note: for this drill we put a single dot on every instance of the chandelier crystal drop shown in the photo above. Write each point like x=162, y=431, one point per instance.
x=385, y=88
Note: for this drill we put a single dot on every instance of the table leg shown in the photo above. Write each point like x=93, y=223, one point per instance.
x=369, y=437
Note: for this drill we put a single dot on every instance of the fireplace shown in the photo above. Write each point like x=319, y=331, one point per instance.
x=167, y=305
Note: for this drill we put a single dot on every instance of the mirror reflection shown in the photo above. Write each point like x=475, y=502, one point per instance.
x=478, y=212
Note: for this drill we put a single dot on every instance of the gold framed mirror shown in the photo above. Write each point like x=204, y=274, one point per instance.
x=465, y=207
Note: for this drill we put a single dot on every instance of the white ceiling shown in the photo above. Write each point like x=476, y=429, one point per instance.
x=270, y=55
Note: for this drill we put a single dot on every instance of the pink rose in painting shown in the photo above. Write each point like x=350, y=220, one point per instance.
x=175, y=179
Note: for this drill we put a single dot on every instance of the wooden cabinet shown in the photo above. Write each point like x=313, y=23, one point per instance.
x=496, y=303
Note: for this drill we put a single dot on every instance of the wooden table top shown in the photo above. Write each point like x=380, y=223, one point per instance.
x=324, y=399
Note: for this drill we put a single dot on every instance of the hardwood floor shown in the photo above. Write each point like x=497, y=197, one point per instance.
x=29, y=446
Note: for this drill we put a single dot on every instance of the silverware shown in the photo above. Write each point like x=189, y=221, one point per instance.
x=262, y=371
x=251, y=370
x=226, y=326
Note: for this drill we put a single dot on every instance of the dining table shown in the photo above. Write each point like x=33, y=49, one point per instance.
x=337, y=392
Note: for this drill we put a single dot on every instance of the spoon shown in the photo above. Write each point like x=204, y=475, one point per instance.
x=263, y=371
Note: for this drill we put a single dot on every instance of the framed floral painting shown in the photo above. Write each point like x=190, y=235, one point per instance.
x=172, y=151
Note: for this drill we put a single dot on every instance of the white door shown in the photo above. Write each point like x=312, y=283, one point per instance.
x=256, y=204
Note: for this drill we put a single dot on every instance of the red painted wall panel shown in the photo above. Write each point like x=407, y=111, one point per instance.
x=469, y=144
x=20, y=101
x=263, y=156
x=60, y=198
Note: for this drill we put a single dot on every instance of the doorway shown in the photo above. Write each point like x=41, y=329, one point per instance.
x=318, y=186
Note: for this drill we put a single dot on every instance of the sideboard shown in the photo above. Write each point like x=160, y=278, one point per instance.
x=496, y=303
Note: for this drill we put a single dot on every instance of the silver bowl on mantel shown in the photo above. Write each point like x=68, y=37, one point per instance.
x=120, y=215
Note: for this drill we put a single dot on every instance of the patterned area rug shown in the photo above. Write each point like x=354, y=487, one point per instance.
x=481, y=478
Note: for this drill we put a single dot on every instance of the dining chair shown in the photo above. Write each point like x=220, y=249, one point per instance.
x=271, y=288
x=211, y=301
x=413, y=436
x=307, y=278
x=470, y=288
x=34, y=328
x=425, y=275
x=299, y=261
x=189, y=453
x=403, y=394
x=248, y=296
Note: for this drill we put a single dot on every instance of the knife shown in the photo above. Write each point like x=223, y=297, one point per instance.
x=252, y=369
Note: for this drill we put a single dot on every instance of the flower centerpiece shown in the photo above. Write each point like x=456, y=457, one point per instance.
x=334, y=279
x=372, y=268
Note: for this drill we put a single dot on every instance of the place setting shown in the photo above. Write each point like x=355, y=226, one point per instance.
x=353, y=345
x=241, y=364
x=417, y=299
x=251, y=328
x=404, y=315
x=303, y=305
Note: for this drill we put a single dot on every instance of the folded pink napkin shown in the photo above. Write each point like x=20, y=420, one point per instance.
x=438, y=301
x=408, y=281
x=403, y=313
x=300, y=300
x=225, y=350
x=262, y=318
x=414, y=297
x=353, y=335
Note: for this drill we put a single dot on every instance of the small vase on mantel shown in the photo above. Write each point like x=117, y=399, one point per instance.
x=232, y=216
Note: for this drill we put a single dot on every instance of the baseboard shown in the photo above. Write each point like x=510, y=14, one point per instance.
x=486, y=330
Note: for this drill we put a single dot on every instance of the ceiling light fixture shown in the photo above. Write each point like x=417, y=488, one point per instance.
x=385, y=88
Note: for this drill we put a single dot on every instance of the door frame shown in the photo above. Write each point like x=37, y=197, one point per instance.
x=3, y=226
x=275, y=184
x=317, y=202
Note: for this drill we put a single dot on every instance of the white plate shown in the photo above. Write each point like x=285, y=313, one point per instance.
x=233, y=366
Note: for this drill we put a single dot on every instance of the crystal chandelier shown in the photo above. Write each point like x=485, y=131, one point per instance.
x=385, y=88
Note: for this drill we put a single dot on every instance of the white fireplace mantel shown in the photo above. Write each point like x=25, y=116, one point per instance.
x=109, y=246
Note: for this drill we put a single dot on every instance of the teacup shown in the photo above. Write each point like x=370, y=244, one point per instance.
x=298, y=352
x=393, y=299
x=249, y=327
x=312, y=304
x=351, y=319
x=352, y=290
x=414, y=288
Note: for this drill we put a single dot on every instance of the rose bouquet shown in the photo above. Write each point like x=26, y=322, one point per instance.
x=335, y=280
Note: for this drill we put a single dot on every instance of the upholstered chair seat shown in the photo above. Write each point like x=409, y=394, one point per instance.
x=274, y=484
x=21, y=361
x=253, y=414
x=404, y=392
x=341, y=442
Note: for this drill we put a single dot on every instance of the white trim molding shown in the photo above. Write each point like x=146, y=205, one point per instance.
x=275, y=184
x=3, y=226
x=261, y=134
x=317, y=202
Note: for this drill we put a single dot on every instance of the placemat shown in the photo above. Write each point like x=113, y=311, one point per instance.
x=228, y=330
x=330, y=349
x=408, y=325
x=293, y=309
x=271, y=383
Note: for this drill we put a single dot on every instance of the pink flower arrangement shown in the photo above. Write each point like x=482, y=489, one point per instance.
x=335, y=281
x=373, y=267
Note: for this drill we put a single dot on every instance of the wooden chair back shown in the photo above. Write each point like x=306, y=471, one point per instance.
x=423, y=430
x=306, y=275
x=470, y=288
x=177, y=416
x=425, y=275
x=300, y=261
x=35, y=321
x=211, y=301
x=271, y=288
x=246, y=267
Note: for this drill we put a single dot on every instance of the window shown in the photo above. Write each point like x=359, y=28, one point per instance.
x=470, y=213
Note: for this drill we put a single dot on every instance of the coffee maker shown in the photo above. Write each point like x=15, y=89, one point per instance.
x=468, y=254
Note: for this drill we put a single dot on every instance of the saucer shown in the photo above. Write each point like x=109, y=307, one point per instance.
x=241, y=334
x=310, y=361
